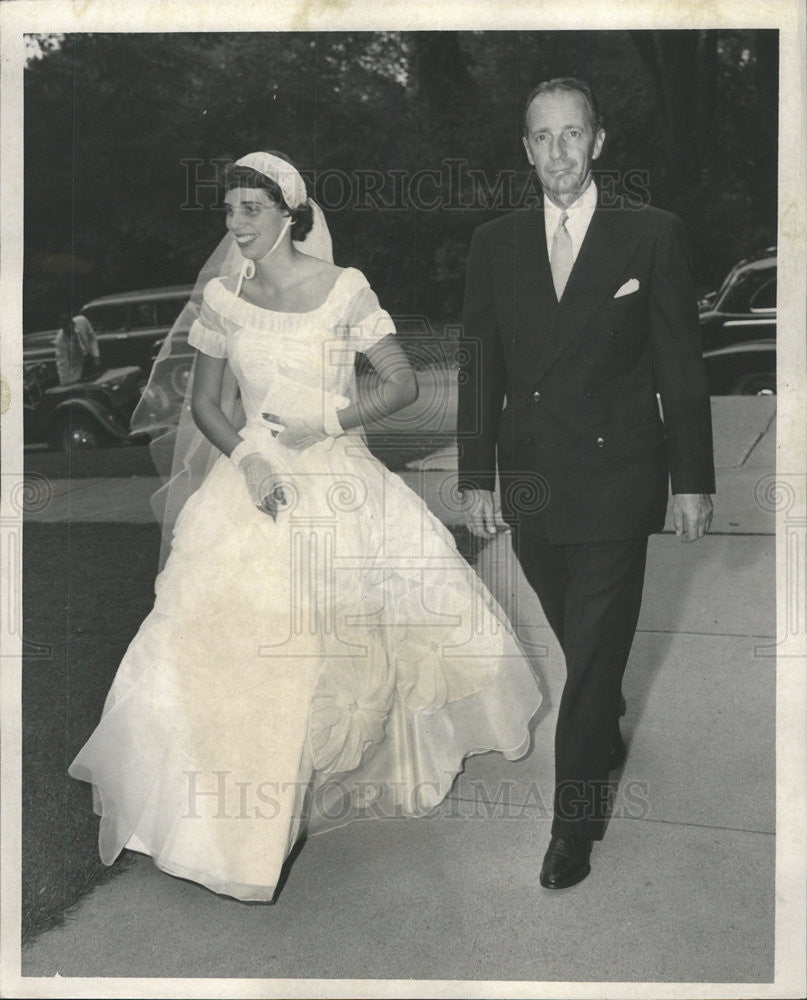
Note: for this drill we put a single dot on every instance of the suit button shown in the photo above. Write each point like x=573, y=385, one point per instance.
x=600, y=442
x=536, y=396
x=590, y=394
x=528, y=439
x=615, y=333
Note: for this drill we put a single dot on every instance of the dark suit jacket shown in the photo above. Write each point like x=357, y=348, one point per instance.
x=562, y=396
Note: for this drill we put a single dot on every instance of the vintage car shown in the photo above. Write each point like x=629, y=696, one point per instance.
x=738, y=328
x=84, y=414
x=744, y=307
x=129, y=326
x=746, y=369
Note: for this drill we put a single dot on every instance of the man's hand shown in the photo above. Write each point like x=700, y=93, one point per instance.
x=484, y=517
x=692, y=515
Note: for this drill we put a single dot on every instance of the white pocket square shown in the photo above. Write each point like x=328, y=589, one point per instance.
x=631, y=285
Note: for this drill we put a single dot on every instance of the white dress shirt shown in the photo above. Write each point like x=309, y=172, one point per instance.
x=579, y=216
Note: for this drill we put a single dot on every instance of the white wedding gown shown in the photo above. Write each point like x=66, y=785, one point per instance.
x=297, y=674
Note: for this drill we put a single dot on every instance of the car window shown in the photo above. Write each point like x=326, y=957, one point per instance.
x=106, y=318
x=168, y=310
x=737, y=298
x=726, y=283
x=144, y=314
x=764, y=297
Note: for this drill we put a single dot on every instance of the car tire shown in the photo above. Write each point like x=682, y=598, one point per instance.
x=80, y=431
x=755, y=384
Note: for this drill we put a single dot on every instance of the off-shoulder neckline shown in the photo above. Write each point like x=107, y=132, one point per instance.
x=234, y=299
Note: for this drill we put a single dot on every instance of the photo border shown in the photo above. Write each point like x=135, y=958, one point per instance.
x=99, y=15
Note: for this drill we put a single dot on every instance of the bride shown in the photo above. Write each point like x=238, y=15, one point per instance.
x=318, y=651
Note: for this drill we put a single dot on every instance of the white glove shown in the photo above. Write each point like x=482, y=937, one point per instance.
x=263, y=483
x=331, y=424
x=300, y=433
x=306, y=414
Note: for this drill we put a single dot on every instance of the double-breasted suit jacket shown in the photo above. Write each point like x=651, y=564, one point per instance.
x=562, y=396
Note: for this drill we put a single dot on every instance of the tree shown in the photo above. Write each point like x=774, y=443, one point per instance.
x=713, y=89
x=409, y=139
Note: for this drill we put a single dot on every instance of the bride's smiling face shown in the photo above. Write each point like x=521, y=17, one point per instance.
x=254, y=219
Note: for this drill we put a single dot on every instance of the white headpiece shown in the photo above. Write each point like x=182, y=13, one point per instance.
x=286, y=176
x=163, y=413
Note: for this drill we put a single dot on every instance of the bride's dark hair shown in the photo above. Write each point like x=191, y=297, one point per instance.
x=302, y=217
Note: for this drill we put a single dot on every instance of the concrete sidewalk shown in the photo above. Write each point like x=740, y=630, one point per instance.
x=682, y=887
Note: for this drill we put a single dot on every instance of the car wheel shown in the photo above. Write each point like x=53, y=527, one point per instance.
x=755, y=384
x=80, y=431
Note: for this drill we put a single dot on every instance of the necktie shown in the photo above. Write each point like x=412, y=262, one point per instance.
x=560, y=258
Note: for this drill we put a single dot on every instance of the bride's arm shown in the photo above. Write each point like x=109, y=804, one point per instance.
x=370, y=331
x=394, y=388
x=205, y=407
x=265, y=489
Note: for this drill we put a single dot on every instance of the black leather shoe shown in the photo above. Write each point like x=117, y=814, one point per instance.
x=618, y=753
x=565, y=862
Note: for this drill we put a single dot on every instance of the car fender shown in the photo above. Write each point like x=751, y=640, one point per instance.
x=99, y=413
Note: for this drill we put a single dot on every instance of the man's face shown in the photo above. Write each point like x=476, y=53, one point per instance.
x=561, y=144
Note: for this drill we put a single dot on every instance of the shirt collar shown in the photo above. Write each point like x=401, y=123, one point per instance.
x=586, y=202
x=580, y=214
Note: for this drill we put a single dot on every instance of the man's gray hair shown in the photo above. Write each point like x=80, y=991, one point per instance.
x=572, y=85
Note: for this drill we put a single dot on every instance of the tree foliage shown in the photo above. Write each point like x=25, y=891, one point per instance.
x=409, y=139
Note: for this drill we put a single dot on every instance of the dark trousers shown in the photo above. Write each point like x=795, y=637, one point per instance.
x=591, y=595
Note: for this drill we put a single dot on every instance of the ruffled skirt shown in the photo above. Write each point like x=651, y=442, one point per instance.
x=298, y=674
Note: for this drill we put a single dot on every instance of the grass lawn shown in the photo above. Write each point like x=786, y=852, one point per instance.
x=85, y=591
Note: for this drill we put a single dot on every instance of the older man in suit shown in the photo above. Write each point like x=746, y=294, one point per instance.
x=578, y=317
